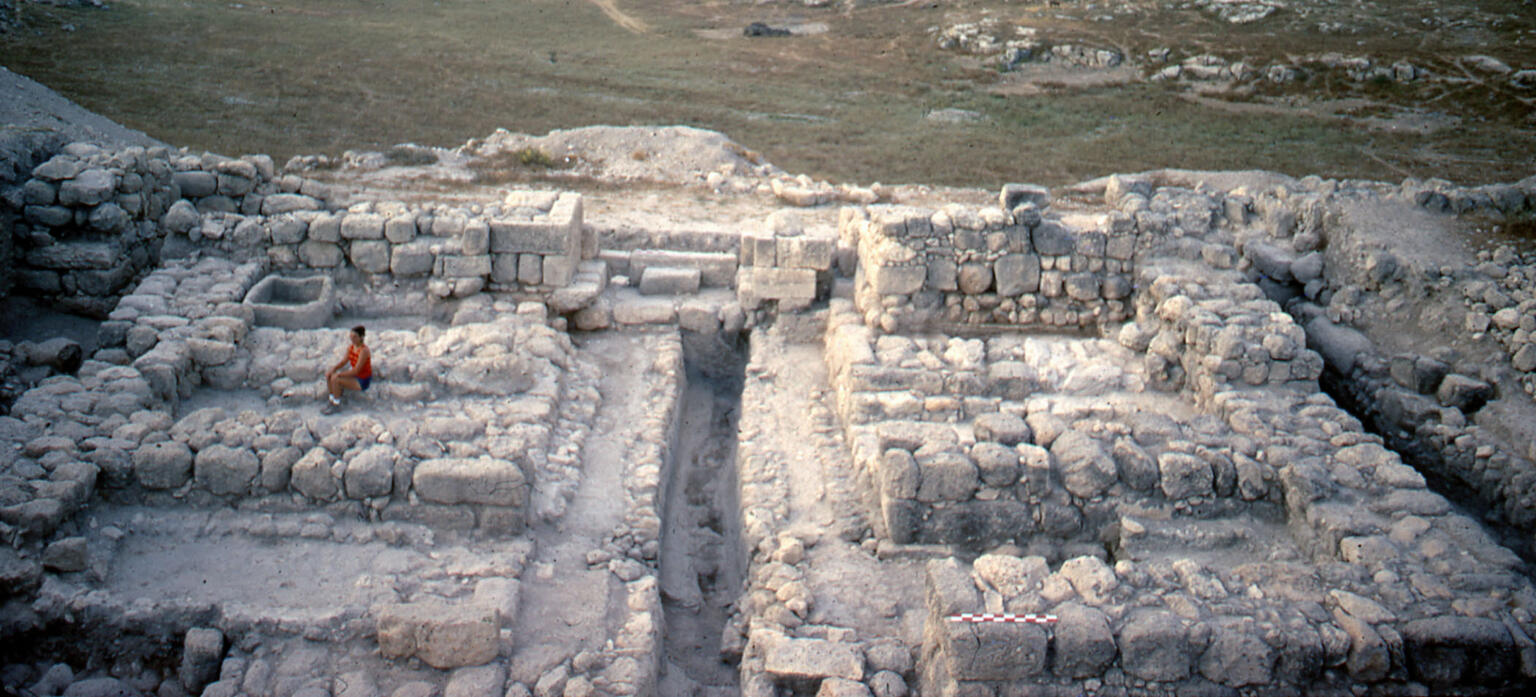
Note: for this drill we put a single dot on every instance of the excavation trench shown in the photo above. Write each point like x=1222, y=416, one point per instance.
x=702, y=562
x=1356, y=394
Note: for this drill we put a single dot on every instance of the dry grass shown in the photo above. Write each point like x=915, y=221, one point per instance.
x=305, y=76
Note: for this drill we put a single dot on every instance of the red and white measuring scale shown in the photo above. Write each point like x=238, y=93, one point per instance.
x=1002, y=617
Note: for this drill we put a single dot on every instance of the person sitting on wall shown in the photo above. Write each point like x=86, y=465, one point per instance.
x=353, y=372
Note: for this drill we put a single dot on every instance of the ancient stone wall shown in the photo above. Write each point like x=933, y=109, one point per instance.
x=992, y=266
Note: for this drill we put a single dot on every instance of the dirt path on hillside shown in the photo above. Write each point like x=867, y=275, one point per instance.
x=629, y=22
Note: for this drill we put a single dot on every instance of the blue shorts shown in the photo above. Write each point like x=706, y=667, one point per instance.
x=362, y=383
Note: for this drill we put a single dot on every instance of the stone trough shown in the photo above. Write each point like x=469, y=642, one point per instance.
x=292, y=303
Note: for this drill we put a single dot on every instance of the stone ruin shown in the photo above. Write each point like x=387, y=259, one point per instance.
x=770, y=462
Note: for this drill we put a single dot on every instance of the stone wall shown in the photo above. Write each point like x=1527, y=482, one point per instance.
x=784, y=263
x=992, y=266
x=978, y=442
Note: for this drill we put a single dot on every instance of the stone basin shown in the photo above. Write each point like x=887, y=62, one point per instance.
x=292, y=303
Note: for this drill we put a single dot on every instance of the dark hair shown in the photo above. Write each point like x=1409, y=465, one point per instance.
x=360, y=331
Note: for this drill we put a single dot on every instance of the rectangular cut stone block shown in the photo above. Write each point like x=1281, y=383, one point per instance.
x=411, y=259
x=1017, y=274
x=804, y=252
x=559, y=269
x=782, y=284
x=764, y=250
x=811, y=659
x=76, y=255
x=371, y=256
x=442, y=636
x=476, y=238
x=897, y=280
x=504, y=268
x=716, y=269
x=530, y=269
x=992, y=651
x=483, y=480
x=362, y=226
x=455, y=266
x=529, y=236
x=666, y=280
x=635, y=309
x=943, y=274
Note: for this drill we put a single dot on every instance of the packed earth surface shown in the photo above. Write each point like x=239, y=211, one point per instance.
x=653, y=414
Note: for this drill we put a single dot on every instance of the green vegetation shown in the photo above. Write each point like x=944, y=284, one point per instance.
x=292, y=77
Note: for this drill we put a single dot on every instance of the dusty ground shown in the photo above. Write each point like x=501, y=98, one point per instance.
x=441, y=73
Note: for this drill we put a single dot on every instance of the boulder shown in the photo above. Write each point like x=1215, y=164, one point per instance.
x=201, y=654
x=1184, y=476
x=370, y=472
x=1238, y=658
x=1462, y=392
x=66, y=554
x=1086, y=471
x=226, y=471
x=311, y=475
x=163, y=465
x=1085, y=645
x=947, y=476
x=998, y=427
x=88, y=188
x=1155, y=646
x=997, y=464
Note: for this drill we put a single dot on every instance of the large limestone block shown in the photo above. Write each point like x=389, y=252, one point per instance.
x=1449, y=649
x=76, y=255
x=804, y=252
x=813, y=659
x=442, y=636
x=362, y=226
x=163, y=465
x=665, y=280
x=1238, y=658
x=1085, y=469
x=482, y=480
x=781, y=283
x=1155, y=646
x=1052, y=239
x=196, y=184
x=311, y=475
x=459, y=266
x=1183, y=476
x=88, y=188
x=974, y=279
x=947, y=476
x=369, y=256
x=1090, y=577
x=992, y=650
x=1017, y=274
x=1085, y=646
x=320, y=255
x=411, y=259
x=226, y=471
x=370, y=472
x=897, y=280
x=278, y=204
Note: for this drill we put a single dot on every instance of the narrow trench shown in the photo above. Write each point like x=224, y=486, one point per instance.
x=702, y=562
x=1423, y=457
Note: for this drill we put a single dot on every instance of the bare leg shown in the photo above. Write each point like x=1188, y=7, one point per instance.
x=341, y=383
